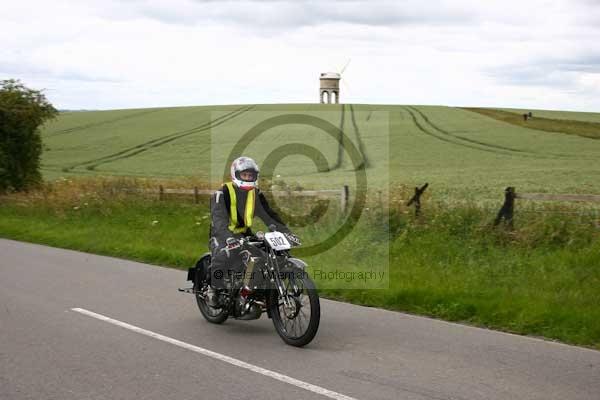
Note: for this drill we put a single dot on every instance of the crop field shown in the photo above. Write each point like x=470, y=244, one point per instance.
x=457, y=151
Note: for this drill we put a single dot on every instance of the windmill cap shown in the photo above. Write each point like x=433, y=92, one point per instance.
x=330, y=75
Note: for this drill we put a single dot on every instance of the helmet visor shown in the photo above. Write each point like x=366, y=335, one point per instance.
x=247, y=175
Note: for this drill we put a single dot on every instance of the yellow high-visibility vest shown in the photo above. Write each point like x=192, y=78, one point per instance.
x=248, y=212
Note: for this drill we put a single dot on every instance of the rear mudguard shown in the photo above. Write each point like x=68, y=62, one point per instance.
x=201, y=267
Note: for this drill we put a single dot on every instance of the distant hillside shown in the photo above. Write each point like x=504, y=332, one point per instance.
x=538, y=122
x=553, y=114
x=454, y=149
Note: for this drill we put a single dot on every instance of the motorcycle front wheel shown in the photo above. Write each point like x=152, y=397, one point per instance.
x=297, y=321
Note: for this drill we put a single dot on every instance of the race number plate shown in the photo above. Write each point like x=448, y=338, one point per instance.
x=277, y=241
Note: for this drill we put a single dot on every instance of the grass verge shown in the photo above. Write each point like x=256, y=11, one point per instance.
x=543, y=278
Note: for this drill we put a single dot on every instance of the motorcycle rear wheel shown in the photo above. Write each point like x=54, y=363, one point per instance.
x=211, y=314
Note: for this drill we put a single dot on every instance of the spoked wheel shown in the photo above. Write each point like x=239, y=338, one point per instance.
x=297, y=319
x=211, y=314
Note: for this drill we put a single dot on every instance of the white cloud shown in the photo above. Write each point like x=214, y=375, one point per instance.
x=136, y=53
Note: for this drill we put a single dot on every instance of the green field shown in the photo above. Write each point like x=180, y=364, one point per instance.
x=457, y=151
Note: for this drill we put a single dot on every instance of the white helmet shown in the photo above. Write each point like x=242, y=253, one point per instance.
x=244, y=164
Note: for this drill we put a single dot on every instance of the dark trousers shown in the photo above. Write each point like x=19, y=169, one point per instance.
x=238, y=264
x=224, y=266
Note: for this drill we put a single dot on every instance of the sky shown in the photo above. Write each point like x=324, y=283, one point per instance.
x=107, y=54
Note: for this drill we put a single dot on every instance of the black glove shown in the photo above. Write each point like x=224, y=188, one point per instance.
x=293, y=239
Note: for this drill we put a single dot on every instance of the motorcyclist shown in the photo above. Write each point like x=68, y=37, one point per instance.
x=233, y=209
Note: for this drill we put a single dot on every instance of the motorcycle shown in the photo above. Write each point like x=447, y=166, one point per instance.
x=282, y=288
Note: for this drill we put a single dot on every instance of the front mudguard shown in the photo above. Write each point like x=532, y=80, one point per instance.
x=297, y=263
x=294, y=265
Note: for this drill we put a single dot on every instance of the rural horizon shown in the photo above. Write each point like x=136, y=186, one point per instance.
x=508, y=106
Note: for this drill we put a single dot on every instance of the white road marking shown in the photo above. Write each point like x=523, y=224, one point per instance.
x=218, y=356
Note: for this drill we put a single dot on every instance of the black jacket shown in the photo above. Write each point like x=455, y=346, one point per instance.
x=219, y=210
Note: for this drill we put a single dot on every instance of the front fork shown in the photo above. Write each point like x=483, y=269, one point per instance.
x=273, y=267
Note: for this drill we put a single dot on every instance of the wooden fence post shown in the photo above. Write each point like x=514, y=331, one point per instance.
x=416, y=199
x=508, y=208
x=196, y=200
x=161, y=192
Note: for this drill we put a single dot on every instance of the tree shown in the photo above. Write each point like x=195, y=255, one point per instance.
x=22, y=111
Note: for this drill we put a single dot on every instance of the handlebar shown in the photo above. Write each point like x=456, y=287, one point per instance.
x=254, y=240
x=257, y=239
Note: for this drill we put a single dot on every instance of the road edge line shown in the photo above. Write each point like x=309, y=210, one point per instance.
x=218, y=356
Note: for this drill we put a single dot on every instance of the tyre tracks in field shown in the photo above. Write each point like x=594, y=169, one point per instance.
x=86, y=172
x=342, y=145
x=476, y=142
x=364, y=163
x=103, y=122
x=154, y=143
x=435, y=131
x=340, y=149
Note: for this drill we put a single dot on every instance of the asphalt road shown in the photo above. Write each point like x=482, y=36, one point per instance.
x=50, y=351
